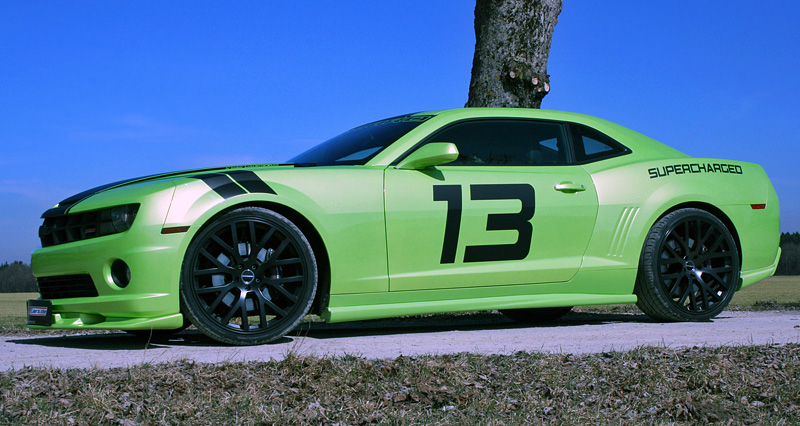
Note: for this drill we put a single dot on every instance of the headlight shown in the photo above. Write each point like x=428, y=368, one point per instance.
x=122, y=216
x=84, y=225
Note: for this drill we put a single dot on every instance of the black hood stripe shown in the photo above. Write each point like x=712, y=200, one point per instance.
x=225, y=184
x=250, y=181
x=222, y=185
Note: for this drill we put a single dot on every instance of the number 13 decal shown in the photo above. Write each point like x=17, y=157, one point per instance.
x=519, y=222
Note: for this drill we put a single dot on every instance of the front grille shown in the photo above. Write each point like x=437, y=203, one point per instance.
x=81, y=226
x=66, y=287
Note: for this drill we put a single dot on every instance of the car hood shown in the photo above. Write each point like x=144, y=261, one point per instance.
x=64, y=205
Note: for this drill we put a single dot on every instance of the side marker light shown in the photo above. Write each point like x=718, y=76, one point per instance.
x=758, y=206
x=174, y=230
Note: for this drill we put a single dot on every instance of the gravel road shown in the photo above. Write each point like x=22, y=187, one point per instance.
x=486, y=333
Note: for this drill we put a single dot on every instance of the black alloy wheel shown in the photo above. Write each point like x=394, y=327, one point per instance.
x=689, y=268
x=248, y=278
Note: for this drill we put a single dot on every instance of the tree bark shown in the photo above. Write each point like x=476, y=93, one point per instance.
x=512, y=45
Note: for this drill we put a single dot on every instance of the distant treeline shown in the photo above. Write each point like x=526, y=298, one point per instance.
x=790, y=255
x=17, y=277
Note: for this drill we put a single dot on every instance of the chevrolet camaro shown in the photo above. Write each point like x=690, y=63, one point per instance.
x=529, y=212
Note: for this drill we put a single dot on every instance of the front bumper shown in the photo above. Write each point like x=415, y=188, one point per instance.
x=151, y=297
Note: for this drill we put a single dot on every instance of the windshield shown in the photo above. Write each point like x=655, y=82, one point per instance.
x=359, y=145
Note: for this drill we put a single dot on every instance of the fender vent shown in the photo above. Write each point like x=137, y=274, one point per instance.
x=622, y=231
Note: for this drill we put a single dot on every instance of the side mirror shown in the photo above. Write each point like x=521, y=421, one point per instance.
x=431, y=154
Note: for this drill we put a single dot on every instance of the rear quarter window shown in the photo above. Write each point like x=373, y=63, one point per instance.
x=591, y=145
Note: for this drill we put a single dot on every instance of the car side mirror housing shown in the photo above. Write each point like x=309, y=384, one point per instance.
x=432, y=154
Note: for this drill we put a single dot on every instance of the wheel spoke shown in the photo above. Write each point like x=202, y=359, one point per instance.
x=252, y=228
x=214, y=260
x=672, y=257
x=276, y=285
x=671, y=276
x=235, y=240
x=683, y=243
x=275, y=308
x=718, y=279
x=245, y=319
x=225, y=247
x=284, y=262
x=692, y=298
x=232, y=311
x=677, y=286
x=263, y=241
x=702, y=241
x=686, y=293
x=214, y=271
x=213, y=305
x=207, y=290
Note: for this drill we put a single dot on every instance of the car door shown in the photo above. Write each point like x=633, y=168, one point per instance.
x=510, y=210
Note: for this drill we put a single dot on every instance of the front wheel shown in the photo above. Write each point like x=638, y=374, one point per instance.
x=248, y=278
x=689, y=267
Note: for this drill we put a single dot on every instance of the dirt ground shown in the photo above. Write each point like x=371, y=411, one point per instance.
x=488, y=333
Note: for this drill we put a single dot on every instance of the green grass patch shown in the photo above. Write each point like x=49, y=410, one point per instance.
x=774, y=292
x=12, y=312
x=647, y=386
x=13, y=304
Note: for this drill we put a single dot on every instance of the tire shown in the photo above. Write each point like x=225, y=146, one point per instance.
x=689, y=267
x=536, y=315
x=248, y=278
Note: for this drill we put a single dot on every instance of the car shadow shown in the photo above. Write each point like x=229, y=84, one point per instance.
x=455, y=322
x=320, y=330
x=123, y=341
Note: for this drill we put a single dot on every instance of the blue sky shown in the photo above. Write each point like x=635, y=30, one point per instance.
x=93, y=92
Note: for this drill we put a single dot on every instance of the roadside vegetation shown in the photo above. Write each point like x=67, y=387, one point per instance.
x=726, y=385
x=789, y=263
x=649, y=385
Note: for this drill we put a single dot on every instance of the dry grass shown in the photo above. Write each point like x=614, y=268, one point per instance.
x=729, y=385
x=647, y=386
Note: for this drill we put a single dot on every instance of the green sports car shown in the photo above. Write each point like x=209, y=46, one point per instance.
x=529, y=212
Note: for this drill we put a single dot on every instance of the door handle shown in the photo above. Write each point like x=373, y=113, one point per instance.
x=570, y=187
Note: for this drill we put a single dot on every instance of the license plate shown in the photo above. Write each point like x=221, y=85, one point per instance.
x=40, y=312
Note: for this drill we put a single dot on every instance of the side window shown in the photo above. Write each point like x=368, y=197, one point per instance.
x=505, y=143
x=591, y=145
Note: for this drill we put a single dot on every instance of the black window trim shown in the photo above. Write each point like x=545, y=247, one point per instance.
x=429, y=139
x=567, y=127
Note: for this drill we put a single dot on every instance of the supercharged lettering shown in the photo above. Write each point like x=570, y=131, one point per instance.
x=690, y=168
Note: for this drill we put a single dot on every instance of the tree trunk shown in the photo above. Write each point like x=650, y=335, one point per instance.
x=511, y=49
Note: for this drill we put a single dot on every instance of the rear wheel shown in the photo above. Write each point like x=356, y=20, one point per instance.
x=689, y=268
x=536, y=315
x=248, y=278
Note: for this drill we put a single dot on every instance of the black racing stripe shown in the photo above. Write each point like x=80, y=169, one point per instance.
x=222, y=185
x=56, y=211
x=250, y=181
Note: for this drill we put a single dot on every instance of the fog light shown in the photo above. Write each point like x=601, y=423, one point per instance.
x=120, y=273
